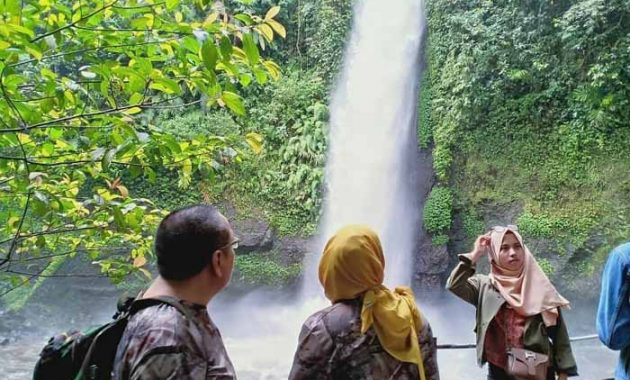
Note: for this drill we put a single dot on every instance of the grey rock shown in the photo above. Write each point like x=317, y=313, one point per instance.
x=255, y=235
x=292, y=250
x=430, y=259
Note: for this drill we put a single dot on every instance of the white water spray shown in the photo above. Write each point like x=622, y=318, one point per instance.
x=372, y=134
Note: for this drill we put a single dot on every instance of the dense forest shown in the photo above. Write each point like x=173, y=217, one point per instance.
x=525, y=106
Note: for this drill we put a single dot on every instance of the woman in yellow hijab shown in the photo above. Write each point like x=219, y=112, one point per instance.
x=369, y=332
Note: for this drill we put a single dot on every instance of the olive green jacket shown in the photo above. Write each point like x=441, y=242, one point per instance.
x=477, y=290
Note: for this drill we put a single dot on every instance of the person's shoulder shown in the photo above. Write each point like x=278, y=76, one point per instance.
x=620, y=254
x=165, y=320
x=334, y=317
x=623, y=251
x=157, y=315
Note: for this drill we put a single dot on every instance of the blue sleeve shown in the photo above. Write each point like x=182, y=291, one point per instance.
x=613, y=314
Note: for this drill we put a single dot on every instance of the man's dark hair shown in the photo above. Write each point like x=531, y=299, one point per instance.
x=186, y=240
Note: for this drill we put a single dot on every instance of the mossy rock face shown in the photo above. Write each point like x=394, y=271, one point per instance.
x=255, y=235
x=264, y=270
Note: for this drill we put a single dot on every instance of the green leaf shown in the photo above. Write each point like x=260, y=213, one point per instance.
x=233, y=102
x=246, y=19
x=209, y=55
x=261, y=76
x=191, y=44
x=166, y=85
x=171, y=4
x=250, y=48
x=225, y=46
x=136, y=98
x=245, y=80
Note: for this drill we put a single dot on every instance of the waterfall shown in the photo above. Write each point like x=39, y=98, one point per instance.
x=372, y=137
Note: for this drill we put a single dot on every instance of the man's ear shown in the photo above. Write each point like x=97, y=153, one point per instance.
x=215, y=265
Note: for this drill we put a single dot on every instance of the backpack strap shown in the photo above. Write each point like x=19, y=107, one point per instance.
x=143, y=303
x=112, y=333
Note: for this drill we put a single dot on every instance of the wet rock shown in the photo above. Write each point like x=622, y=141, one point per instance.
x=428, y=283
x=255, y=235
x=292, y=250
x=431, y=259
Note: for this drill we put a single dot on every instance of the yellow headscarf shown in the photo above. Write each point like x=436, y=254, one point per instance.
x=353, y=264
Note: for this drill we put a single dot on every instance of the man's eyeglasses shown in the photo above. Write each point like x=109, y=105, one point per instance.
x=233, y=244
x=512, y=227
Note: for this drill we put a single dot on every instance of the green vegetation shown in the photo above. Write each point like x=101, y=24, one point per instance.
x=437, y=214
x=425, y=133
x=530, y=117
x=113, y=114
x=256, y=269
x=81, y=87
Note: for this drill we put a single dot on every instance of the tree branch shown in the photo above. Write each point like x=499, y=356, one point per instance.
x=7, y=258
x=153, y=105
x=79, y=51
x=140, y=6
x=53, y=275
x=73, y=23
x=51, y=232
x=25, y=281
x=122, y=30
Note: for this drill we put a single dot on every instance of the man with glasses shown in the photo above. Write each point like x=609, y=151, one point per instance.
x=195, y=257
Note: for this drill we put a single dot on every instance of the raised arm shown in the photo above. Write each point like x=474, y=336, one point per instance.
x=463, y=282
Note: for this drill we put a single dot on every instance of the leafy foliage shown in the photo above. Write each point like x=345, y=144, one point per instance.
x=425, y=133
x=285, y=180
x=529, y=111
x=328, y=39
x=264, y=270
x=437, y=210
x=80, y=84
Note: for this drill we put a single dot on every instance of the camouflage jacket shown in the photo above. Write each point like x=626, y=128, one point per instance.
x=162, y=343
x=331, y=346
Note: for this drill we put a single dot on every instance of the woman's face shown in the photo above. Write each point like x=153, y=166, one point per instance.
x=511, y=254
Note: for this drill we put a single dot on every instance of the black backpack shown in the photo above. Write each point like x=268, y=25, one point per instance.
x=90, y=354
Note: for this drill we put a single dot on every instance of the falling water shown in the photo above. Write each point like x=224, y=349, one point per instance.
x=372, y=135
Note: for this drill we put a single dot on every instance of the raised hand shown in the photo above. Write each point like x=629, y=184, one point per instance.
x=481, y=245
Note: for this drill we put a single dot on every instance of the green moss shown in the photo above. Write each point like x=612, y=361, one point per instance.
x=425, y=133
x=473, y=226
x=437, y=210
x=546, y=266
x=256, y=270
x=439, y=240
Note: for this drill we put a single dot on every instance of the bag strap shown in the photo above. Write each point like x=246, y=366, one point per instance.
x=143, y=303
x=129, y=308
